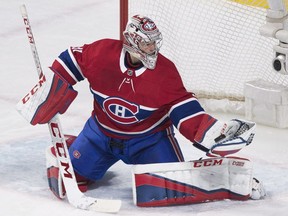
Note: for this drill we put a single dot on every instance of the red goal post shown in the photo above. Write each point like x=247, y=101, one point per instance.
x=215, y=44
x=123, y=16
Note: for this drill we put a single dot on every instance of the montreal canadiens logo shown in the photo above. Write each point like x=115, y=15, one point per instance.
x=121, y=111
x=76, y=154
x=149, y=26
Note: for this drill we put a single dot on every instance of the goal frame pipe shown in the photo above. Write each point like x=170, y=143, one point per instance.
x=123, y=17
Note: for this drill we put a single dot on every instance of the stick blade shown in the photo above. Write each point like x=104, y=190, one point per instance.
x=84, y=202
x=104, y=205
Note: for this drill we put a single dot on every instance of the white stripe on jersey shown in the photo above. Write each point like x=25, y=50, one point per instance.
x=180, y=104
x=66, y=69
x=74, y=60
x=189, y=117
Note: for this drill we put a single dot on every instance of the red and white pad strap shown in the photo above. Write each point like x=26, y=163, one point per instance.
x=197, y=181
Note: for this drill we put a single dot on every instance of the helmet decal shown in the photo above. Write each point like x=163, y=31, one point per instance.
x=149, y=25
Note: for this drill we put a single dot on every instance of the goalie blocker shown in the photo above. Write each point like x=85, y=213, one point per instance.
x=195, y=182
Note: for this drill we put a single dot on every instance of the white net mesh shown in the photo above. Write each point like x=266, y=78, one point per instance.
x=215, y=44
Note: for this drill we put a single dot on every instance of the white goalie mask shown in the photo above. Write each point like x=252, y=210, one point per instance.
x=142, y=32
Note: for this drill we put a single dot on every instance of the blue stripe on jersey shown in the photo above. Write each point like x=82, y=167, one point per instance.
x=67, y=60
x=184, y=109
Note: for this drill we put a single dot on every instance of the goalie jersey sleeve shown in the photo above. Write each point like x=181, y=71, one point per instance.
x=128, y=101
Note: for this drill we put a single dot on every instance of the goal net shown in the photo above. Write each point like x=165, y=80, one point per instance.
x=215, y=44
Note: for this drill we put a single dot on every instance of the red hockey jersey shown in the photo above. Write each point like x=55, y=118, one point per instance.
x=130, y=101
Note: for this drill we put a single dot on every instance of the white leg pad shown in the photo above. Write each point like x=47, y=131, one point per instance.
x=197, y=181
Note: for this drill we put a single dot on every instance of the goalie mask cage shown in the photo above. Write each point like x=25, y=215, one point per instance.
x=215, y=44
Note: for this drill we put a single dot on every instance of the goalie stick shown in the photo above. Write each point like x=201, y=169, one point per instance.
x=74, y=195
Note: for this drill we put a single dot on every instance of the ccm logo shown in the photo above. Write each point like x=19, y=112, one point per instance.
x=206, y=163
x=28, y=30
x=34, y=89
x=60, y=149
